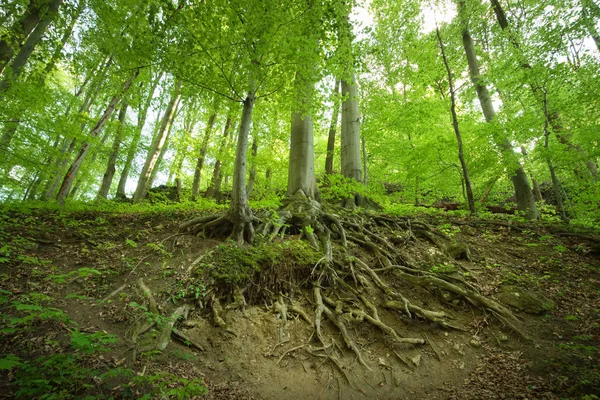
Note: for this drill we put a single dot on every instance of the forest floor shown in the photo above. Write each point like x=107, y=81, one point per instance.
x=89, y=300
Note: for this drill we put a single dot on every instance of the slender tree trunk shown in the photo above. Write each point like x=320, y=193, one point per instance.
x=252, y=175
x=332, y=129
x=57, y=55
x=203, y=150
x=163, y=151
x=215, y=183
x=364, y=160
x=157, y=145
x=523, y=193
x=552, y=116
x=67, y=183
x=461, y=156
x=589, y=21
x=239, y=211
x=133, y=147
x=24, y=53
x=112, y=158
x=12, y=41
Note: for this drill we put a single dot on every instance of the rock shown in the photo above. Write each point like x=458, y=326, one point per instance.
x=459, y=251
x=416, y=360
x=475, y=343
x=522, y=300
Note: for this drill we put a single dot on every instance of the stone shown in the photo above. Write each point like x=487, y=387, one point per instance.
x=475, y=343
x=522, y=300
x=416, y=360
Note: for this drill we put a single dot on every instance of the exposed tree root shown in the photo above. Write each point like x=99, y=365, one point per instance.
x=350, y=287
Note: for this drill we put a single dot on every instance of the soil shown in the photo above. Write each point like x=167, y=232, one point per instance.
x=553, y=354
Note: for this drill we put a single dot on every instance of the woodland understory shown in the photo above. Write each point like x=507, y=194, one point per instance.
x=346, y=199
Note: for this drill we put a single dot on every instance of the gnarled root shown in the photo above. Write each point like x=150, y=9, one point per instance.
x=238, y=225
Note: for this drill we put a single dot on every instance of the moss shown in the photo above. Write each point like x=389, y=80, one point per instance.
x=235, y=265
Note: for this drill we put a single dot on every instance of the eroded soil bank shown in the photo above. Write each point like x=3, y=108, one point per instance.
x=86, y=294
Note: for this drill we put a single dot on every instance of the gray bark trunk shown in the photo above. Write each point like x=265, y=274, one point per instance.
x=163, y=150
x=157, y=145
x=215, y=183
x=142, y=116
x=112, y=158
x=239, y=211
x=523, y=193
x=252, y=176
x=465, y=171
x=67, y=183
x=16, y=67
x=350, y=156
x=13, y=40
x=332, y=129
x=202, y=156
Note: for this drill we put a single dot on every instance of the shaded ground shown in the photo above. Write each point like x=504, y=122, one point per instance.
x=79, y=260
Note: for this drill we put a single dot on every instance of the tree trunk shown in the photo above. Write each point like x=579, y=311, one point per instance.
x=157, y=145
x=589, y=21
x=163, y=151
x=552, y=116
x=57, y=55
x=523, y=193
x=133, y=147
x=200, y=162
x=63, y=192
x=24, y=53
x=239, y=211
x=350, y=157
x=332, y=129
x=252, y=175
x=13, y=40
x=215, y=183
x=461, y=156
x=112, y=158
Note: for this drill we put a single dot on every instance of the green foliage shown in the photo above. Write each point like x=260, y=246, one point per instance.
x=337, y=188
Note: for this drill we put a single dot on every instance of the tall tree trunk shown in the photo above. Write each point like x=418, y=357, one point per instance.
x=252, y=175
x=133, y=147
x=202, y=156
x=523, y=193
x=157, y=145
x=215, y=183
x=332, y=129
x=16, y=67
x=112, y=158
x=14, y=38
x=239, y=211
x=350, y=157
x=163, y=151
x=461, y=156
x=65, y=188
x=57, y=55
x=552, y=115
x=589, y=21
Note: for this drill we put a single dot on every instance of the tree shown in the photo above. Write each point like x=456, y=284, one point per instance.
x=523, y=193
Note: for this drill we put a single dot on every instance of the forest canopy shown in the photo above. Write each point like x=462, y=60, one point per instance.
x=469, y=104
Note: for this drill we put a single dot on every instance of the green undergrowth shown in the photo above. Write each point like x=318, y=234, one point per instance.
x=67, y=363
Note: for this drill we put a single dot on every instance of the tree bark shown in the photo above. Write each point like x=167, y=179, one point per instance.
x=239, y=211
x=215, y=183
x=142, y=116
x=19, y=32
x=16, y=67
x=200, y=162
x=69, y=178
x=461, y=156
x=350, y=156
x=523, y=193
x=552, y=115
x=332, y=128
x=157, y=145
x=163, y=151
x=112, y=158
x=252, y=175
